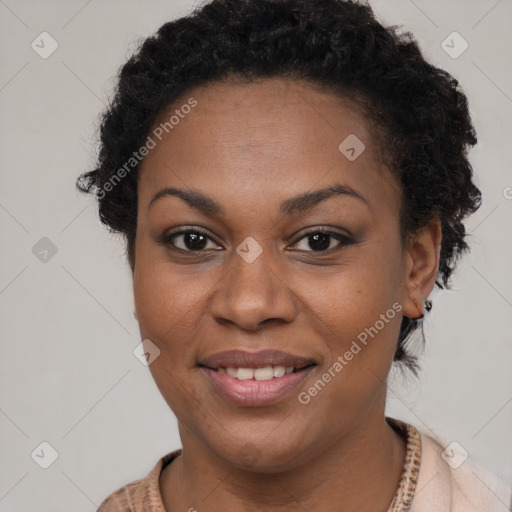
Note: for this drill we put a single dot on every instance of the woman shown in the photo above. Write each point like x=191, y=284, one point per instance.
x=291, y=179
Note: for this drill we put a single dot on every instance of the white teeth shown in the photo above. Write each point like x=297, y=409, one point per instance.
x=265, y=373
x=245, y=373
x=279, y=371
x=232, y=372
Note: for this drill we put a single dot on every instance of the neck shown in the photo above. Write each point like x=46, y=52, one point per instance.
x=362, y=468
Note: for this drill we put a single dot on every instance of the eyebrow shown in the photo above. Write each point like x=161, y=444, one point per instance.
x=297, y=204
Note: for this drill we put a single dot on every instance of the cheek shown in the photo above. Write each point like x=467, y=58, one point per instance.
x=358, y=313
x=165, y=312
x=355, y=295
x=360, y=326
x=168, y=300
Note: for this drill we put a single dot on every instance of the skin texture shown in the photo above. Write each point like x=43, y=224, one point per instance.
x=250, y=147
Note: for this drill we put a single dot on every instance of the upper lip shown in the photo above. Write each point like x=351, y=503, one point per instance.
x=244, y=359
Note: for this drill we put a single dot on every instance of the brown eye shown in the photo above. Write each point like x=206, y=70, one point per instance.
x=320, y=240
x=189, y=241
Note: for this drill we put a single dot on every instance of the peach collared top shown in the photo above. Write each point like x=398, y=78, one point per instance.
x=429, y=481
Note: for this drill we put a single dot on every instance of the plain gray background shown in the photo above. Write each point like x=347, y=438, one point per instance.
x=68, y=373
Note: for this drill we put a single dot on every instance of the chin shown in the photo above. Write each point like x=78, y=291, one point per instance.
x=260, y=456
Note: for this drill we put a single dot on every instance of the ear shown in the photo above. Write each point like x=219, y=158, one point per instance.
x=421, y=266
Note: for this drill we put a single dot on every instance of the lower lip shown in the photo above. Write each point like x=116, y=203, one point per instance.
x=253, y=393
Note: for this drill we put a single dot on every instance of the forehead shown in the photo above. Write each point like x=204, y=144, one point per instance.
x=273, y=137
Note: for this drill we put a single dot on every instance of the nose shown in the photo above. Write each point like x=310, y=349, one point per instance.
x=253, y=294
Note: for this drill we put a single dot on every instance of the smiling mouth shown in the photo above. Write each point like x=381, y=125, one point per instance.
x=260, y=373
x=256, y=379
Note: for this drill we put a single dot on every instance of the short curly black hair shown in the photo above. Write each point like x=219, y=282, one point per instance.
x=418, y=111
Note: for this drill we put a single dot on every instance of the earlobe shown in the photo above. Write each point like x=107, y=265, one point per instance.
x=421, y=268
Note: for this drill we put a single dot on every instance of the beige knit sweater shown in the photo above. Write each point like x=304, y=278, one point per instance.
x=431, y=481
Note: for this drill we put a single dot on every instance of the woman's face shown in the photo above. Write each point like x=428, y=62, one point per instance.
x=254, y=280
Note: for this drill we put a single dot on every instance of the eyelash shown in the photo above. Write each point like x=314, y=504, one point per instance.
x=344, y=240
